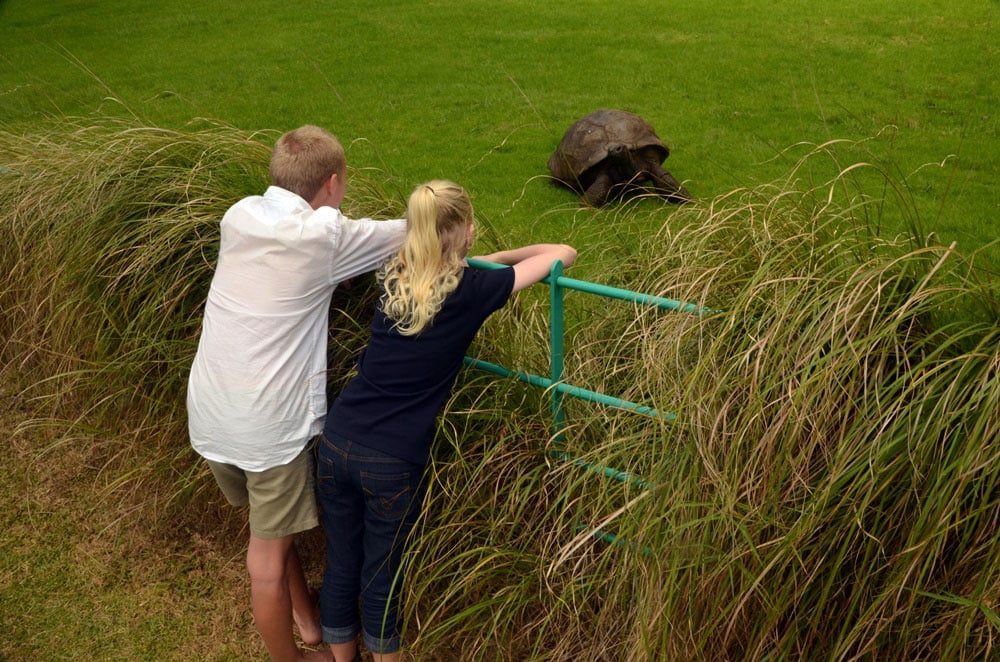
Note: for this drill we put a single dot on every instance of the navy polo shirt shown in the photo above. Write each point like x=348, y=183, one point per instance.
x=403, y=381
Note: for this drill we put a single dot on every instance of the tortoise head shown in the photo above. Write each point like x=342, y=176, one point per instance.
x=620, y=163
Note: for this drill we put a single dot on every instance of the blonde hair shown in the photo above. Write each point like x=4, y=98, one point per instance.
x=304, y=158
x=429, y=265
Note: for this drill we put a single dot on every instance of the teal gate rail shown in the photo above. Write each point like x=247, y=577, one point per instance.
x=558, y=284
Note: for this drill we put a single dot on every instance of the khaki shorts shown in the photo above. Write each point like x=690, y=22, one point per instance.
x=282, y=499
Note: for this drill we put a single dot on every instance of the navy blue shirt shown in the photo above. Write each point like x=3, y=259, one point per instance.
x=403, y=381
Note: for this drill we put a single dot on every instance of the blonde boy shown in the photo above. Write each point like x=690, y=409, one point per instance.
x=257, y=392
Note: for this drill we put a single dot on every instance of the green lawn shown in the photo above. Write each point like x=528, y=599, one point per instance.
x=481, y=92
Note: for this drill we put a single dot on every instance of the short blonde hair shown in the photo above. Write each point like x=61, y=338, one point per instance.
x=429, y=265
x=305, y=158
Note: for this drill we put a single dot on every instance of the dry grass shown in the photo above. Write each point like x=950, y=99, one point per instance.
x=92, y=570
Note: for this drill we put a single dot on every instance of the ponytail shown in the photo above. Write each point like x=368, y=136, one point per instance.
x=429, y=265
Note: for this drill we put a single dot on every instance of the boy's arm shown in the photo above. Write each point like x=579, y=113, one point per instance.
x=532, y=263
x=364, y=245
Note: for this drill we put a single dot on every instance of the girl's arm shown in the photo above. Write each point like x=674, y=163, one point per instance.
x=532, y=263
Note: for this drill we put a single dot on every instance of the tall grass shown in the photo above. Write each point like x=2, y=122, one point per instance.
x=110, y=233
x=829, y=489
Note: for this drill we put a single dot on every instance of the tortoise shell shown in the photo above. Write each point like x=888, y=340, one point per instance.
x=587, y=142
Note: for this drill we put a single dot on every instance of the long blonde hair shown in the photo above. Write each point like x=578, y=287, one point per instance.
x=429, y=265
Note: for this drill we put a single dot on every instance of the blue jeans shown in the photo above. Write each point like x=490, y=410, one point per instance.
x=370, y=502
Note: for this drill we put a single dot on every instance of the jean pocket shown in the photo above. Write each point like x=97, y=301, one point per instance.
x=327, y=485
x=328, y=459
x=390, y=495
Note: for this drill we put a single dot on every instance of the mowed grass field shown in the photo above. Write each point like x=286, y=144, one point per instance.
x=836, y=450
x=482, y=92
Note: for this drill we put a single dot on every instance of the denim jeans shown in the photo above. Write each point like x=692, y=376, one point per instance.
x=370, y=502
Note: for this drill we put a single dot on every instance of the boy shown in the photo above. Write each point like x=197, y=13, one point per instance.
x=257, y=391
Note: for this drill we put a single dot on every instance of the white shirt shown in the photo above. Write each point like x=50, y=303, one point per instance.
x=257, y=390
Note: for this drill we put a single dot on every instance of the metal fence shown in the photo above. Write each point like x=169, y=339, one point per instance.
x=558, y=388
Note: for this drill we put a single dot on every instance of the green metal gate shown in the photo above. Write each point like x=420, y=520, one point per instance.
x=558, y=389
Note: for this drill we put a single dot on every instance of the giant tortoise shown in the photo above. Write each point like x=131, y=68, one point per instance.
x=612, y=152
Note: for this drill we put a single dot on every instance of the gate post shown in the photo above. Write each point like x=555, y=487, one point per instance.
x=556, y=349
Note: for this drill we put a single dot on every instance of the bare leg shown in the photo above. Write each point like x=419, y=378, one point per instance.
x=349, y=653
x=305, y=611
x=345, y=652
x=268, y=562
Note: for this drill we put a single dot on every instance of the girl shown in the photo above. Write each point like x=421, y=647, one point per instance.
x=378, y=433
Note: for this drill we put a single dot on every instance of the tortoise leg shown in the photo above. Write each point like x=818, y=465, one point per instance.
x=597, y=193
x=667, y=186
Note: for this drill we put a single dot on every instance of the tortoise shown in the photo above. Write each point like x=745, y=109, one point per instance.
x=612, y=152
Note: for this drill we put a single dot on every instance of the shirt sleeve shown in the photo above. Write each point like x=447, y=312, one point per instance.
x=494, y=288
x=363, y=245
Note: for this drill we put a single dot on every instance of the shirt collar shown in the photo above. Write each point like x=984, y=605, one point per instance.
x=284, y=196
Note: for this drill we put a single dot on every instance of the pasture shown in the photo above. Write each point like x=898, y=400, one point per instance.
x=481, y=92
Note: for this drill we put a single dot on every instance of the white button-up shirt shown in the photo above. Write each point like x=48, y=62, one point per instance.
x=257, y=390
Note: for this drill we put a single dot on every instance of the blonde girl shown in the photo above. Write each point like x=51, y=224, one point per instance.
x=378, y=433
